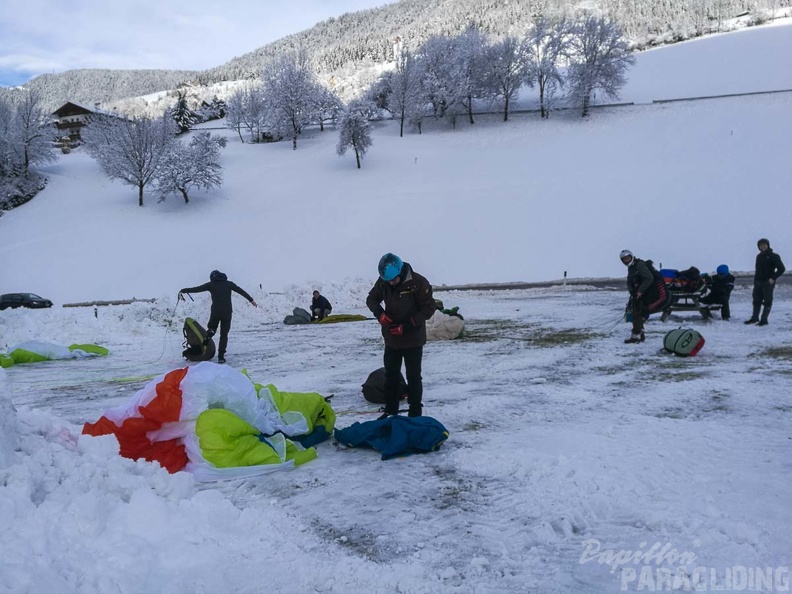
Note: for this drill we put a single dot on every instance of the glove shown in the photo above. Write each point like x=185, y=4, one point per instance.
x=384, y=319
x=396, y=329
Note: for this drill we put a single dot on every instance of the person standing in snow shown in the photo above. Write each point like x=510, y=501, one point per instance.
x=768, y=268
x=222, y=310
x=408, y=303
x=320, y=307
x=640, y=284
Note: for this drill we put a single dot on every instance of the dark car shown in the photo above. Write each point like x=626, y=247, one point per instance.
x=31, y=300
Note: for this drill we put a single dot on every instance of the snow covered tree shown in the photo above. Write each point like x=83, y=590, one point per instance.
x=181, y=113
x=441, y=81
x=130, y=150
x=292, y=94
x=601, y=57
x=196, y=164
x=327, y=107
x=355, y=131
x=33, y=132
x=546, y=48
x=469, y=61
x=235, y=113
x=505, y=71
x=404, y=96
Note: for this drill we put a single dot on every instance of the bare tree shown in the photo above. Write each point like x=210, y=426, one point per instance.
x=355, y=131
x=505, y=71
x=291, y=92
x=196, y=164
x=34, y=132
x=546, y=48
x=130, y=150
x=405, y=89
x=601, y=57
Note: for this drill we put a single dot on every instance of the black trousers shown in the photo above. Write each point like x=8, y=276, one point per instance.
x=224, y=321
x=763, y=294
x=724, y=302
x=412, y=364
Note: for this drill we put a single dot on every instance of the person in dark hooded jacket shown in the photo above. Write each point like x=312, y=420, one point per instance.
x=720, y=286
x=320, y=307
x=408, y=303
x=768, y=268
x=220, y=288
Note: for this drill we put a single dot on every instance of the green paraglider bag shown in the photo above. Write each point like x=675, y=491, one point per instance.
x=683, y=342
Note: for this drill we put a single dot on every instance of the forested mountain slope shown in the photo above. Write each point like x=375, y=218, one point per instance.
x=347, y=47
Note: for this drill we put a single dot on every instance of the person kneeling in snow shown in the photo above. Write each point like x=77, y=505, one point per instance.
x=220, y=288
x=320, y=307
x=720, y=286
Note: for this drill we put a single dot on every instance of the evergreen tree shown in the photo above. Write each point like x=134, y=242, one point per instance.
x=181, y=113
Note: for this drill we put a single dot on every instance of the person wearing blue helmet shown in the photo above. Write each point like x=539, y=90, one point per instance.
x=719, y=287
x=402, y=301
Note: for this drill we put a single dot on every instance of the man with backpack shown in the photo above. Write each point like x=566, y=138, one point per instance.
x=645, y=287
x=220, y=288
x=768, y=268
x=408, y=304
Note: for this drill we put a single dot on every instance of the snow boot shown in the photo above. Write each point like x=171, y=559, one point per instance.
x=635, y=338
x=754, y=316
x=765, y=314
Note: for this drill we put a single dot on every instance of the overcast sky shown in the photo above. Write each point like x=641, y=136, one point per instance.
x=50, y=36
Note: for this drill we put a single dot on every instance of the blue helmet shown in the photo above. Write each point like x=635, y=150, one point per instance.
x=722, y=269
x=390, y=266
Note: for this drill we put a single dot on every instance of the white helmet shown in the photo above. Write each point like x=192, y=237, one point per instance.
x=626, y=255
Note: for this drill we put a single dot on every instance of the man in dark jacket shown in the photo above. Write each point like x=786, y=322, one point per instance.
x=320, y=307
x=408, y=301
x=768, y=268
x=641, y=285
x=220, y=289
x=720, y=286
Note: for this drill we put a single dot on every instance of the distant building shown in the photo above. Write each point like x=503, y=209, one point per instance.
x=71, y=118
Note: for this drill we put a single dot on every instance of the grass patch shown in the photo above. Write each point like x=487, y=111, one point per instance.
x=782, y=352
x=533, y=334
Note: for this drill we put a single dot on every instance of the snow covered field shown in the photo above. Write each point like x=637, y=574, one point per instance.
x=563, y=439
x=575, y=463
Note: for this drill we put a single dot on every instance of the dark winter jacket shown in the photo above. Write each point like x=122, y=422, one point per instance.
x=409, y=303
x=720, y=287
x=320, y=303
x=221, y=295
x=640, y=280
x=768, y=265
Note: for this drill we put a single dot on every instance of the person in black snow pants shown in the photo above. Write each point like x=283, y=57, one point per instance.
x=643, y=293
x=768, y=268
x=408, y=301
x=220, y=289
x=320, y=307
x=720, y=286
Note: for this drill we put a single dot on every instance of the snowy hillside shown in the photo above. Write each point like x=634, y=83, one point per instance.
x=692, y=183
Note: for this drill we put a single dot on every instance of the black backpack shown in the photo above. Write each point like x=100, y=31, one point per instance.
x=374, y=387
x=194, y=338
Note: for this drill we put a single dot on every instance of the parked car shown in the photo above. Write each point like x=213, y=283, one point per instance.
x=14, y=300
